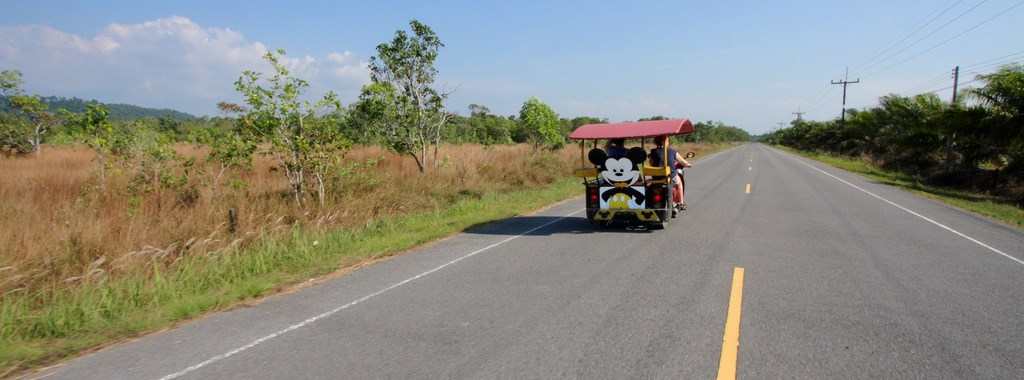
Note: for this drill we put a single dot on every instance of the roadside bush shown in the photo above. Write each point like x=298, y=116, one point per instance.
x=977, y=144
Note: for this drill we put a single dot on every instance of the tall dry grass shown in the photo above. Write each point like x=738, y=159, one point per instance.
x=59, y=227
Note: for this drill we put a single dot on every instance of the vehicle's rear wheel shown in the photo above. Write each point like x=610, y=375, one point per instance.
x=664, y=215
x=656, y=226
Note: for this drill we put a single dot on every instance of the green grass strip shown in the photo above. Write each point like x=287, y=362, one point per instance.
x=993, y=207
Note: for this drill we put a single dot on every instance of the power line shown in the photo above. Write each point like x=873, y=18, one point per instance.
x=925, y=84
x=997, y=64
x=932, y=33
x=980, y=65
x=821, y=100
x=949, y=87
x=906, y=37
x=958, y=35
x=961, y=84
x=820, y=97
x=988, y=61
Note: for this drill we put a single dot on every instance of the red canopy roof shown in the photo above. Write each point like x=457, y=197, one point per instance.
x=633, y=129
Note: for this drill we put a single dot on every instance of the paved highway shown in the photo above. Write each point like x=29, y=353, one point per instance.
x=841, y=278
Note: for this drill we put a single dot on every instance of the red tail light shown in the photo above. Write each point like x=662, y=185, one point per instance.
x=657, y=197
x=593, y=195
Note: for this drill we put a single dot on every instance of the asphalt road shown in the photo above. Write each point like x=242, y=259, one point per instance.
x=842, y=280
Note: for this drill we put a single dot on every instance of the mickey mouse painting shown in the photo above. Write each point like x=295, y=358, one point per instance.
x=620, y=173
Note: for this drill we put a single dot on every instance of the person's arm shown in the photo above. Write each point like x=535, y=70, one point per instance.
x=680, y=158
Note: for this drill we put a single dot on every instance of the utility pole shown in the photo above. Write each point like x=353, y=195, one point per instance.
x=799, y=115
x=956, y=81
x=845, y=82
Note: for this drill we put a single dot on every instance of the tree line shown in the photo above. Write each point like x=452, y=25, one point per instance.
x=977, y=142
x=401, y=109
x=118, y=111
x=709, y=132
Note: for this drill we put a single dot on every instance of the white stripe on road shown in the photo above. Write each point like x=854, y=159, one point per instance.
x=943, y=226
x=353, y=303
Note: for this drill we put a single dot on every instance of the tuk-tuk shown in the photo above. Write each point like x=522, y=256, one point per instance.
x=625, y=188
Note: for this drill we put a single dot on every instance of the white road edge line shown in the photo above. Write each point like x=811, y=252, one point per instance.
x=353, y=303
x=912, y=212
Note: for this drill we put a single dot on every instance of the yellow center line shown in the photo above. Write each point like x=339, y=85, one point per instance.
x=748, y=188
x=731, y=340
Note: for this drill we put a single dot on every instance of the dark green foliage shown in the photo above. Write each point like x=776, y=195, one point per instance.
x=977, y=145
x=712, y=132
x=569, y=125
x=118, y=112
x=541, y=124
x=480, y=127
x=652, y=118
x=13, y=132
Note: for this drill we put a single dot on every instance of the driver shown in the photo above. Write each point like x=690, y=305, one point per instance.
x=674, y=160
x=616, y=148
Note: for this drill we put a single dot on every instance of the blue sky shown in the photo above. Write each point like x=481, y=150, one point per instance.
x=746, y=63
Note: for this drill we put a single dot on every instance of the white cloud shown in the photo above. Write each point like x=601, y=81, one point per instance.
x=169, y=62
x=340, y=58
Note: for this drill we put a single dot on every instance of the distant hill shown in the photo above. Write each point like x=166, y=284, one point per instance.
x=117, y=111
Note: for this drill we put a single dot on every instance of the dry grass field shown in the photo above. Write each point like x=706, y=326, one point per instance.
x=58, y=227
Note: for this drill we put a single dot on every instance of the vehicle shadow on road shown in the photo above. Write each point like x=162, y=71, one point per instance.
x=556, y=225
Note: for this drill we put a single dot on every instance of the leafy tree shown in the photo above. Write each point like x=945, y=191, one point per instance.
x=652, y=118
x=10, y=82
x=171, y=127
x=400, y=105
x=13, y=131
x=12, y=135
x=541, y=124
x=566, y=126
x=149, y=153
x=1003, y=95
x=35, y=119
x=1003, y=91
x=478, y=110
x=711, y=132
x=98, y=133
x=480, y=127
x=299, y=140
x=230, y=148
x=40, y=120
